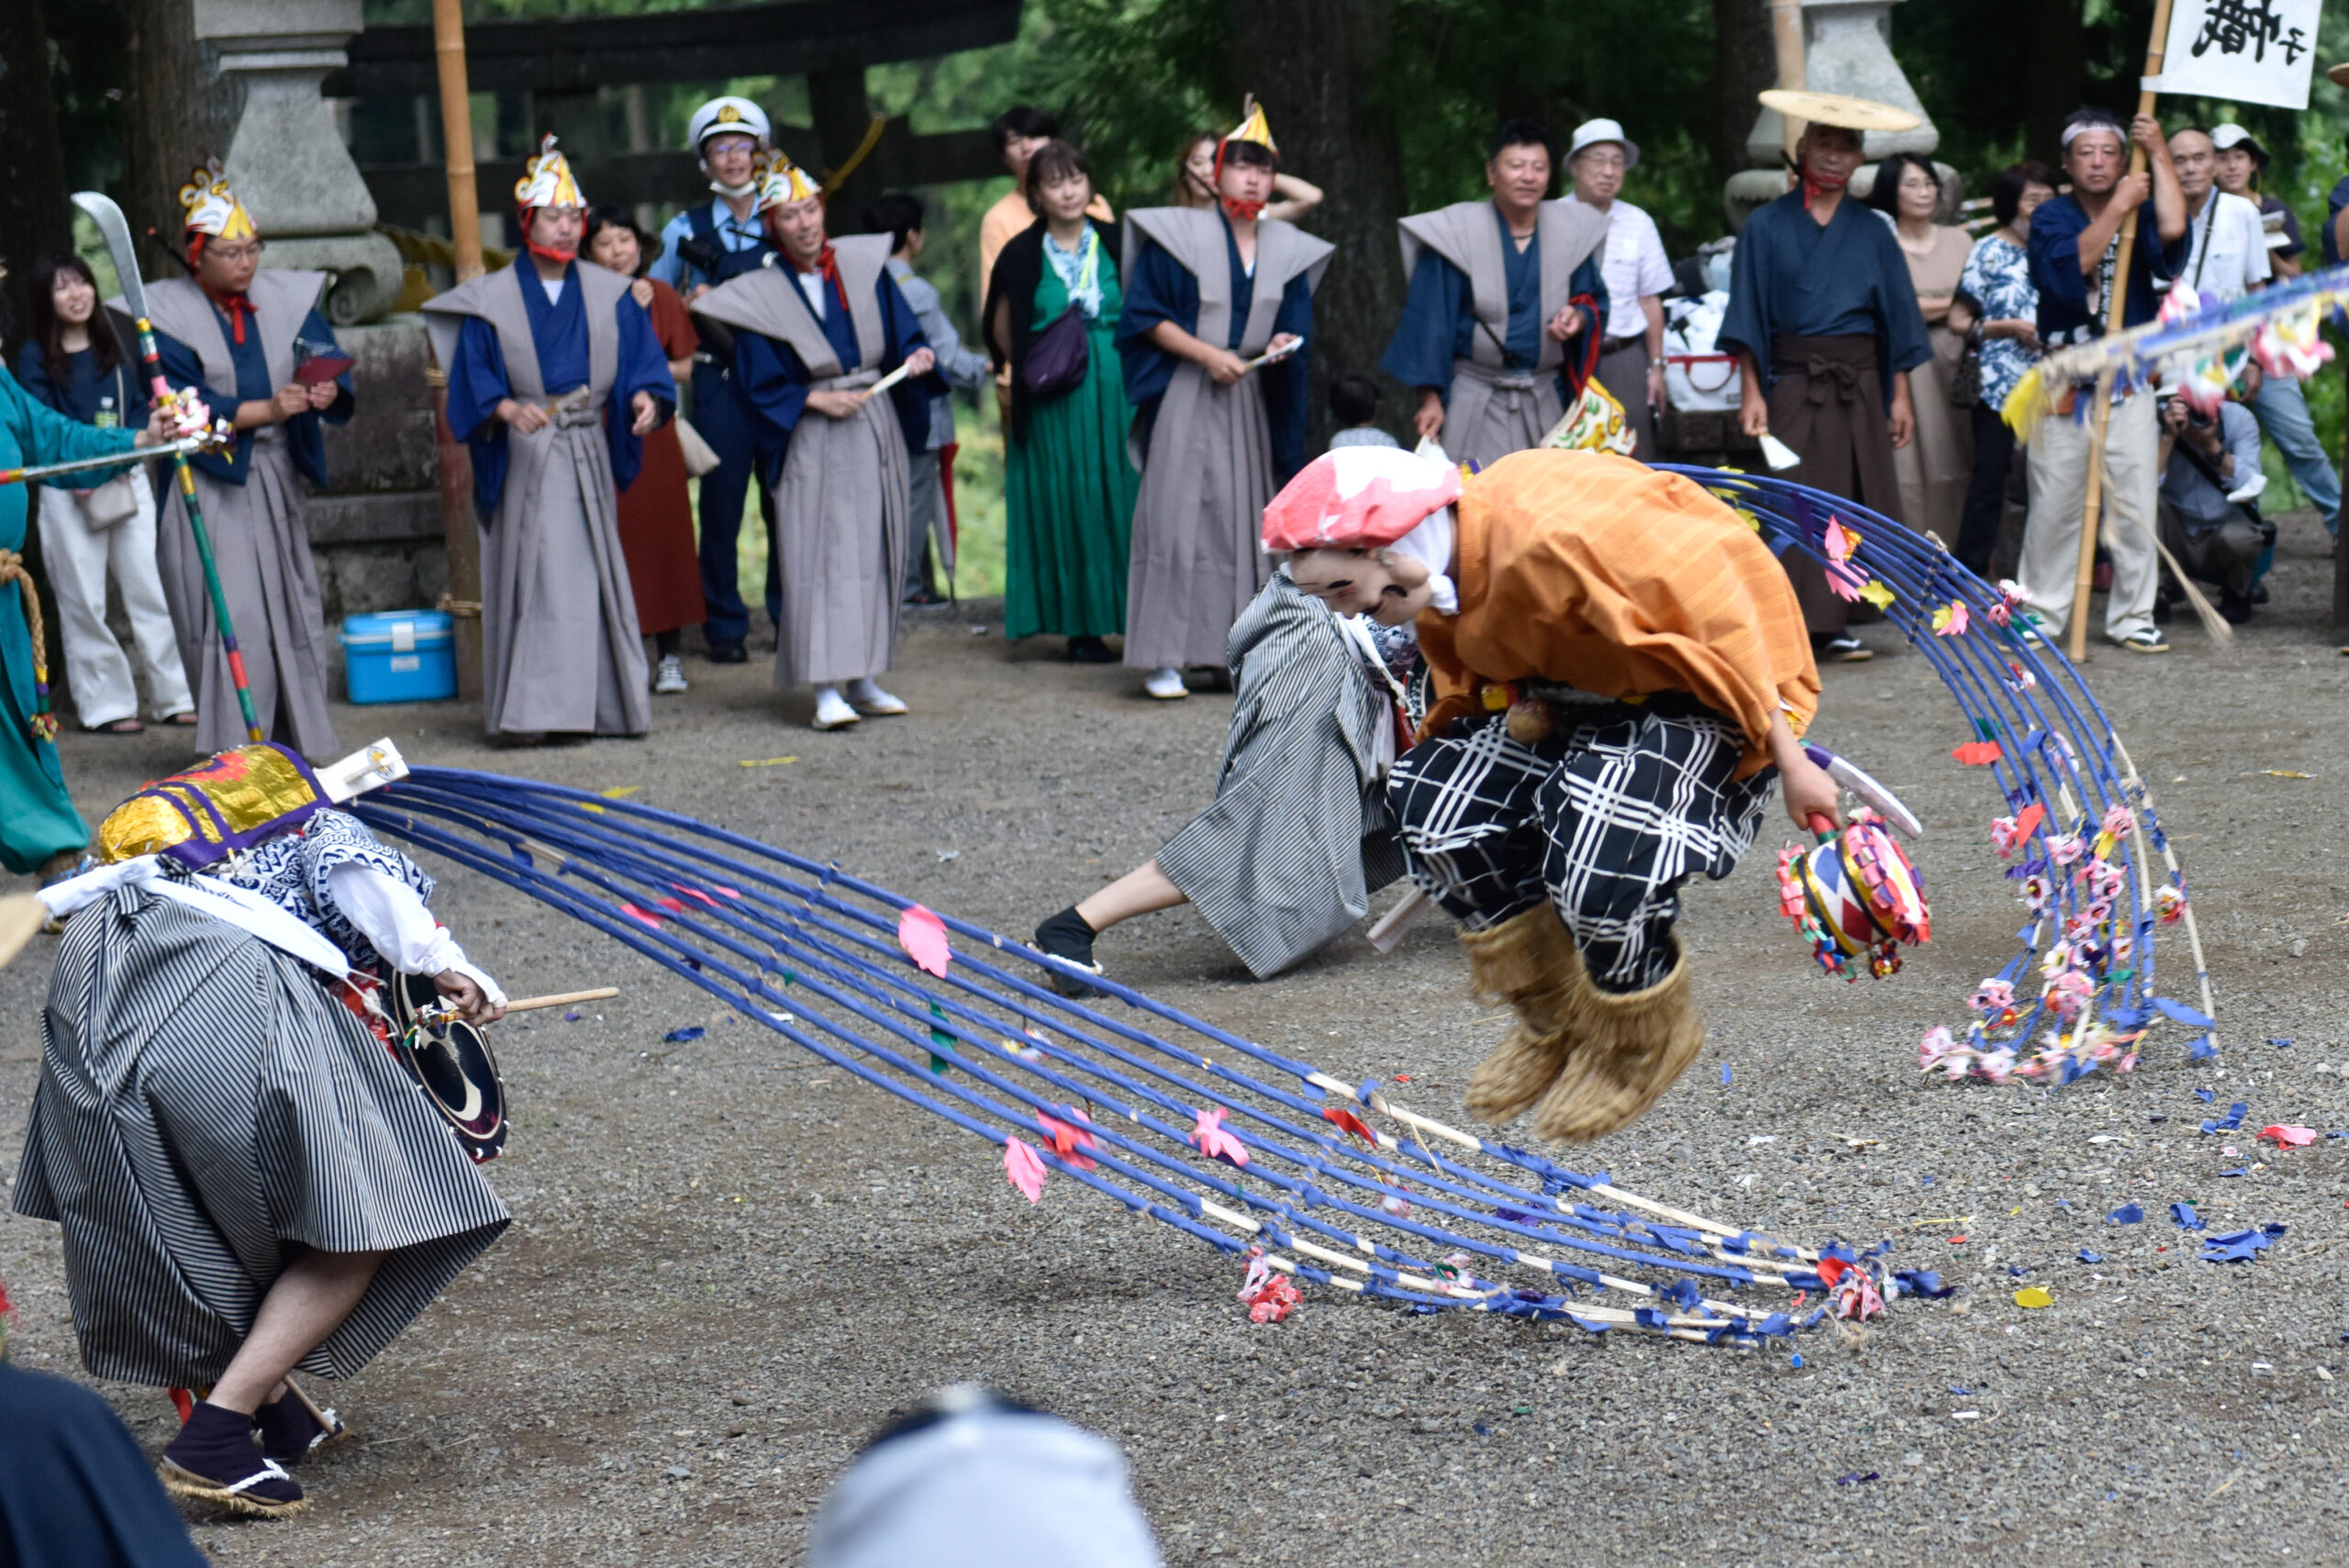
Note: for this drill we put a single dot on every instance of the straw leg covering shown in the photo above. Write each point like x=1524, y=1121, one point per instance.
x=1628, y=1049
x=1529, y=962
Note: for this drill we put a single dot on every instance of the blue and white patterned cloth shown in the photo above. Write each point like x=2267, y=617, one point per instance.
x=1998, y=275
x=291, y=872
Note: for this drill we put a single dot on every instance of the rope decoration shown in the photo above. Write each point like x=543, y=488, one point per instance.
x=2080, y=832
x=42, y=725
x=1263, y=1156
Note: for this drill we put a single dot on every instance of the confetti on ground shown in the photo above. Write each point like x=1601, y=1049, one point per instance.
x=1857, y=1479
x=2240, y=1245
x=679, y=1036
x=2188, y=1219
x=2088, y=1257
x=2127, y=1214
x=766, y=763
x=2032, y=1297
x=2281, y=774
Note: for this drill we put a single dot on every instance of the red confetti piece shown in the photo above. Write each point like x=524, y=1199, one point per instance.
x=647, y=916
x=1957, y=1240
x=2027, y=821
x=1978, y=753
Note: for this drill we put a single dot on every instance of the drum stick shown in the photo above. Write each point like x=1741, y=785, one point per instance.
x=1387, y=934
x=532, y=1003
x=1270, y=355
x=886, y=382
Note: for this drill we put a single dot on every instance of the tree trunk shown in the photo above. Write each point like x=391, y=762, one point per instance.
x=34, y=217
x=176, y=112
x=1744, y=62
x=2055, y=74
x=1311, y=63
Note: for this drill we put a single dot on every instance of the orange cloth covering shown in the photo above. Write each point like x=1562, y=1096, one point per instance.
x=1594, y=571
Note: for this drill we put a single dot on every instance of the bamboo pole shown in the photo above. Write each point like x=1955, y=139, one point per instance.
x=1785, y=38
x=459, y=529
x=2115, y=319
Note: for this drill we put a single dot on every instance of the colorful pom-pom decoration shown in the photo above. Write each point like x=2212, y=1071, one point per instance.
x=1855, y=898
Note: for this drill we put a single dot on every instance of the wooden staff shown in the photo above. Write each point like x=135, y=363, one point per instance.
x=437, y=1011
x=459, y=530
x=2115, y=317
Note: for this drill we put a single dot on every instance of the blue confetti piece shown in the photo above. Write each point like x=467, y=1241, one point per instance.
x=1796, y=1359
x=2015, y=1271
x=2279, y=1044
x=2240, y=1245
x=2157, y=1118
x=2201, y=1049
x=571, y=1016
x=2088, y=1257
x=1925, y=1282
x=2238, y=1170
x=679, y=1036
x=2063, y=1203
x=2205, y=1095
x=2188, y=1219
x=1968, y=1393
x=1855, y=1478
x=1724, y=1074
x=2127, y=1214
x=1926, y=1180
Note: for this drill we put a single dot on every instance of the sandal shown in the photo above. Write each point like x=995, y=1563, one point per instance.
x=215, y=1460
x=119, y=726
x=184, y=718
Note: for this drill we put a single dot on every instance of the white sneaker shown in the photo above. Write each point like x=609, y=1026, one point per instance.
x=670, y=678
x=831, y=713
x=1166, y=684
x=869, y=698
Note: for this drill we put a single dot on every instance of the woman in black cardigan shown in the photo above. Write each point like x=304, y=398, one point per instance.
x=1068, y=487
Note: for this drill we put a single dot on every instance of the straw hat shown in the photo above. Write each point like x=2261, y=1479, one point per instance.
x=1838, y=109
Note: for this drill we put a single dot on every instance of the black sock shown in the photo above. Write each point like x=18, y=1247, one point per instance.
x=667, y=643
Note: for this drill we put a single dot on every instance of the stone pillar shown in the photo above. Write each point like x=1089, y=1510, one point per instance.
x=286, y=157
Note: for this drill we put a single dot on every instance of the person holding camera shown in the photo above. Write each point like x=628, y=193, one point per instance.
x=2209, y=466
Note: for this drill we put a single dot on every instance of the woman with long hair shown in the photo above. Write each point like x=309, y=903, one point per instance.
x=1068, y=488
x=657, y=511
x=105, y=528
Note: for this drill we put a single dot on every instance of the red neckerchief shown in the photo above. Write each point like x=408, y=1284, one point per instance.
x=235, y=306
x=828, y=264
x=1243, y=211
x=559, y=258
x=1814, y=188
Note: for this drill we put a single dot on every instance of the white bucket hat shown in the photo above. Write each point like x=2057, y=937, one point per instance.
x=1591, y=132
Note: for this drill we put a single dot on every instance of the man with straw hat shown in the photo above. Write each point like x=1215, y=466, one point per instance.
x=555, y=378
x=1219, y=309
x=1826, y=328
x=254, y=344
x=2075, y=249
x=814, y=332
x=1506, y=307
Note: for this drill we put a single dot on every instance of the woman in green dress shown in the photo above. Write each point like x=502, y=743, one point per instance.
x=39, y=829
x=1068, y=485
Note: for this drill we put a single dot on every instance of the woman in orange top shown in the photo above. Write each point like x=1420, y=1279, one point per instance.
x=1619, y=670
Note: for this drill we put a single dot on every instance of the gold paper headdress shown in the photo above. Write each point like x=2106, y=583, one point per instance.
x=781, y=182
x=1253, y=127
x=546, y=181
x=213, y=208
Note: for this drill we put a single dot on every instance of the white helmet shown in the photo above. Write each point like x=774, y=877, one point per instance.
x=720, y=115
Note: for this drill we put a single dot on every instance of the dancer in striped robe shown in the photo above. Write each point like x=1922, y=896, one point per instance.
x=247, y=1180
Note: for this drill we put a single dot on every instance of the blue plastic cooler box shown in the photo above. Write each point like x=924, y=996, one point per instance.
x=400, y=656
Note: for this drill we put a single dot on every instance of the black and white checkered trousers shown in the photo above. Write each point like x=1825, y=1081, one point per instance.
x=1605, y=817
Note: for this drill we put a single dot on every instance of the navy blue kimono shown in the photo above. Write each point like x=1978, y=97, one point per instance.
x=2063, y=316
x=305, y=442
x=1439, y=324
x=1794, y=276
x=478, y=383
x=1162, y=289
x=774, y=381
x=75, y=1491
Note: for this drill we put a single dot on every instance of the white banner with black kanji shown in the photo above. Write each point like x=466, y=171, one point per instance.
x=2240, y=52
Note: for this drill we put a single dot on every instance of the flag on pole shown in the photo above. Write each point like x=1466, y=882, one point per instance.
x=2241, y=51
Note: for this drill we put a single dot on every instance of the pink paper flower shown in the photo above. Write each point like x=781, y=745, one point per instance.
x=1994, y=995
x=923, y=936
x=1025, y=1168
x=1210, y=1140
x=2116, y=821
x=2289, y=1136
x=1951, y=620
x=1935, y=1048
x=1842, y=543
x=2065, y=851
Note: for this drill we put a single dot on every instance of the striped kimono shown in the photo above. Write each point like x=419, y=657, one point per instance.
x=1298, y=838
x=209, y=1109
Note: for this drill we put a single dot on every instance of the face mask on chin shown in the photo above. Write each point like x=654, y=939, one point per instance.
x=733, y=193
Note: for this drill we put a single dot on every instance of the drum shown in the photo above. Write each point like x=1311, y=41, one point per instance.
x=451, y=1063
x=1856, y=897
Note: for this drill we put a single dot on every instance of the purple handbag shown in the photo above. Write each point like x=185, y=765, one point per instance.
x=1058, y=357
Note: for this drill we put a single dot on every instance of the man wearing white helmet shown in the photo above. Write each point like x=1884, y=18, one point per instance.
x=701, y=247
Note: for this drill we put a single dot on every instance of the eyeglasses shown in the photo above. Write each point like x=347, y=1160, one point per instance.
x=1602, y=162
x=232, y=254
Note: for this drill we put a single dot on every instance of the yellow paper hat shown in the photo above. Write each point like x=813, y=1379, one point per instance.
x=781, y=182
x=213, y=208
x=546, y=181
x=1254, y=128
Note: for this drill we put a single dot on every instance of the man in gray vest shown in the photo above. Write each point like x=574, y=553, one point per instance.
x=1501, y=326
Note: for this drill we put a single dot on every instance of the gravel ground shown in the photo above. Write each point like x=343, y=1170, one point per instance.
x=726, y=1265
